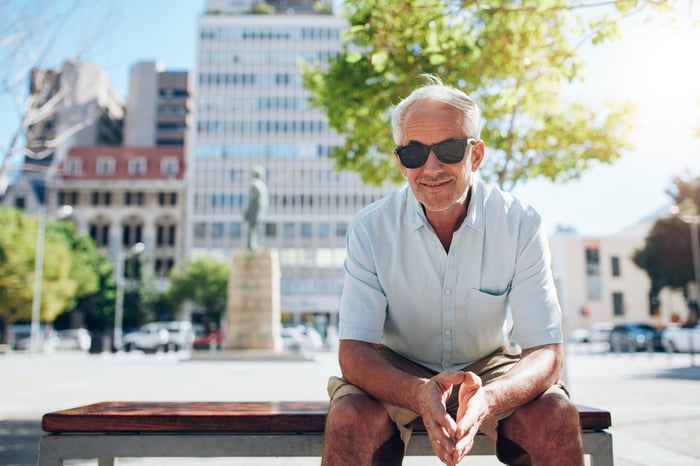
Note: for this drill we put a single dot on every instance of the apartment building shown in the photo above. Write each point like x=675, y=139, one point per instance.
x=73, y=104
x=124, y=195
x=135, y=193
x=598, y=281
x=251, y=110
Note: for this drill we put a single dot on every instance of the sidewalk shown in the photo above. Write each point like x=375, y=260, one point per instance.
x=654, y=399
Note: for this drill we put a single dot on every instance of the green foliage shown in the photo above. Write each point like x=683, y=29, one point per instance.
x=17, y=233
x=514, y=58
x=72, y=266
x=204, y=282
x=667, y=255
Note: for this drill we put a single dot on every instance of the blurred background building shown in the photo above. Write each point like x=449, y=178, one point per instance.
x=251, y=109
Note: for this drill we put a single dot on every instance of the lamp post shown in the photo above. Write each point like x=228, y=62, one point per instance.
x=120, y=279
x=35, y=331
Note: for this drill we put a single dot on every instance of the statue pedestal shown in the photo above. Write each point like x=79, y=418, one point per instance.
x=253, y=307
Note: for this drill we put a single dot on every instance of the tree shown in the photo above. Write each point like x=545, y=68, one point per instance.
x=667, y=253
x=203, y=282
x=66, y=272
x=94, y=273
x=513, y=58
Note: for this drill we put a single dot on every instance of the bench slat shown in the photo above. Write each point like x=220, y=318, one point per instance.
x=271, y=417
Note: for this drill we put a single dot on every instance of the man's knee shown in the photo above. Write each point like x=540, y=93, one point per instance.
x=351, y=411
x=548, y=420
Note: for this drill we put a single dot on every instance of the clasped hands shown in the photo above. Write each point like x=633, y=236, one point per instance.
x=452, y=438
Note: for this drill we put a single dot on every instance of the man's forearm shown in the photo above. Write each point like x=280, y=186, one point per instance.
x=362, y=366
x=538, y=370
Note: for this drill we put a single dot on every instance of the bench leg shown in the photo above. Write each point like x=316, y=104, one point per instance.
x=599, y=446
x=105, y=461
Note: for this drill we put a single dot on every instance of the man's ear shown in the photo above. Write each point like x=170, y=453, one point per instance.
x=478, y=154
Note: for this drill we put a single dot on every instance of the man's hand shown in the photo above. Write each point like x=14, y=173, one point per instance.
x=441, y=427
x=470, y=414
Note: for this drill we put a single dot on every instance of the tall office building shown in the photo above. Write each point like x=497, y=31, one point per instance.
x=251, y=110
x=158, y=106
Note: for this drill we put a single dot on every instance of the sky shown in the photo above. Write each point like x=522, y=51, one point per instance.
x=656, y=67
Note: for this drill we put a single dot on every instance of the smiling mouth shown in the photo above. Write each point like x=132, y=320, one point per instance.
x=435, y=184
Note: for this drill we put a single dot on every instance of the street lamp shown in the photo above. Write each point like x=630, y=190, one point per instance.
x=119, y=272
x=35, y=332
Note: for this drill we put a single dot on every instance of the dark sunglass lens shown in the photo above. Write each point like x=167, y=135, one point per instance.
x=413, y=155
x=451, y=151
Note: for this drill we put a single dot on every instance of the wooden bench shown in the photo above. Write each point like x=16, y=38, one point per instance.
x=231, y=429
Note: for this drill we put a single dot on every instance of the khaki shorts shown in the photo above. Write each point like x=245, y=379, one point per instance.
x=488, y=369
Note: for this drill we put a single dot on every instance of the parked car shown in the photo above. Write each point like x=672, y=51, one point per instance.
x=167, y=335
x=207, y=339
x=150, y=337
x=20, y=337
x=180, y=334
x=301, y=338
x=681, y=339
x=597, y=332
x=635, y=336
x=73, y=339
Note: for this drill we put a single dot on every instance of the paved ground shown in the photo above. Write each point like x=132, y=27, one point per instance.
x=654, y=399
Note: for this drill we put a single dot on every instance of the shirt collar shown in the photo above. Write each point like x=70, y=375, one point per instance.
x=475, y=214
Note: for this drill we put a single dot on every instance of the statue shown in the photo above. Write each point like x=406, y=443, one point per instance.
x=256, y=207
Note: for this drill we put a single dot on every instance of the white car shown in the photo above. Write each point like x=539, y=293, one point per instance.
x=683, y=339
x=150, y=337
x=73, y=339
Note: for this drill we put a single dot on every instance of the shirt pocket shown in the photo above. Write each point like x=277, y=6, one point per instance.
x=484, y=316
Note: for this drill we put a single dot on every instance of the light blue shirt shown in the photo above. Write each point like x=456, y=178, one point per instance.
x=441, y=309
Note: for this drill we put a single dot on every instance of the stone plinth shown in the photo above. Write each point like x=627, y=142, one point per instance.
x=253, y=307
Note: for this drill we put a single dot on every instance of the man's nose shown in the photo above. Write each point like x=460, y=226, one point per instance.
x=433, y=163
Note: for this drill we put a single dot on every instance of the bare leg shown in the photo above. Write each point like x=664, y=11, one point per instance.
x=356, y=427
x=548, y=429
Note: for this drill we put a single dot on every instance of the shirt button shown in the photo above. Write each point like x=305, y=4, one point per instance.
x=448, y=332
x=448, y=291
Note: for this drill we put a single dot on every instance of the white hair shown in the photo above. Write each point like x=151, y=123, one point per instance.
x=436, y=91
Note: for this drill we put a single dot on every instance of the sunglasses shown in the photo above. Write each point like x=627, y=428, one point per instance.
x=450, y=151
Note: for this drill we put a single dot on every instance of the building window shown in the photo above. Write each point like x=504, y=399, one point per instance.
x=138, y=166
x=98, y=198
x=136, y=198
x=615, y=265
x=306, y=230
x=217, y=230
x=169, y=166
x=618, y=304
x=73, y=166
x=165, y=199
x=288, y=230
x=131, y=234
x=200, y=230
x=163, y=266
x=234, y=229
x=271, y=230
x=99, y=232
x=105, y=166
x=341, y=229
x=67, y=198
x=324, y=230
x=593, y=280
x=165, y=235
